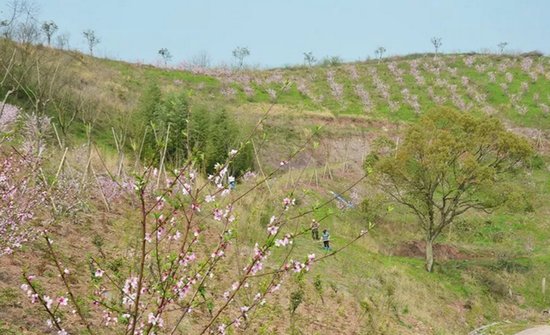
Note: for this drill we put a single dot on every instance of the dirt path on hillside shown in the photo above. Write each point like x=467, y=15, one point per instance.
x=540, y=330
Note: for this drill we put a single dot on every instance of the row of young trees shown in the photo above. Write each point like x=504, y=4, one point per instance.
x=310, y=60
x=203, y=60
x=22, y=25
x=240, y=53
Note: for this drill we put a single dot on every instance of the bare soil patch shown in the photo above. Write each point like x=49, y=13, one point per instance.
x=417, y=249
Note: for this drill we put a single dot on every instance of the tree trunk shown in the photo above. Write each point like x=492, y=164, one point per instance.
x=429, y=255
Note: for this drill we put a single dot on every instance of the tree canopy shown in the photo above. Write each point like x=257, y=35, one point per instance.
x=449, y=163
x=168, y=123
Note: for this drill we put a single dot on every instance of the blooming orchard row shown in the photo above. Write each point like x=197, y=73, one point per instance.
x=411, y=84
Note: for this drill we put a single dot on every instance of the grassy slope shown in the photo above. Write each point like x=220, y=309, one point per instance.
x=367, y=289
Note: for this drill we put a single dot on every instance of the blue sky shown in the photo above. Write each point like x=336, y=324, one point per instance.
x=277, y=32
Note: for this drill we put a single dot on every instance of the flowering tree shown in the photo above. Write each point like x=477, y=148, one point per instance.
x=179, y=266
x=186, y=235
x=336, y=89
x=8, y=115
x=21, y=198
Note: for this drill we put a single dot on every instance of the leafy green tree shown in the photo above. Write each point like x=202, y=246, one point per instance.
x=206, y=137
x=173, y=111
x=244, y=161
x=449, y=163
x=219, y=140
x=224, y=136
x=148, y=103
x=144, y=129
x=199, y=131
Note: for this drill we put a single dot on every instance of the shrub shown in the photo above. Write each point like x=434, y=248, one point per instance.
x=533, y=53
x=331, y=61
x=167, y=126
x=537, y=162
x=224, y=137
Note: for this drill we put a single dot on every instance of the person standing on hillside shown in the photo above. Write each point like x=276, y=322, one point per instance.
x=326, y=240
x=315, y=230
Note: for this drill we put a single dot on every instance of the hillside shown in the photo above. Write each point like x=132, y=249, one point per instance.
x=324, y=120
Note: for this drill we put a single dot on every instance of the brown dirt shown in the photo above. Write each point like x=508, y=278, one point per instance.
x=417, y=249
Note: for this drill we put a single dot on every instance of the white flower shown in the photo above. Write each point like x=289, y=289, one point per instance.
x=62, y=301
x=235, y=286
x=155, y=320
x=272, y=230
x=287, y=202
x=48, y=301
x=284, y=242
x=152, y=319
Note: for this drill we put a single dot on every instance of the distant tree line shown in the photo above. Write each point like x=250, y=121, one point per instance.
x=19, y=23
